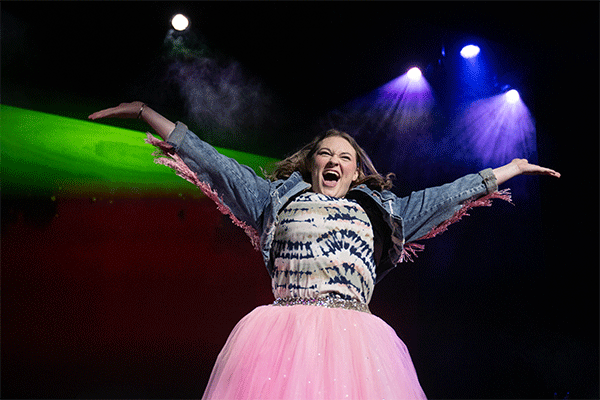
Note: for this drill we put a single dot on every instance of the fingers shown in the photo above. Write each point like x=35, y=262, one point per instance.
x=103, y=113
x=97, y=115
x=123, y=110
x=531, y=169
x=549, y=172
x=537, y=170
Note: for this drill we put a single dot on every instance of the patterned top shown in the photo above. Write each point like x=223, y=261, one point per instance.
x=323, y=245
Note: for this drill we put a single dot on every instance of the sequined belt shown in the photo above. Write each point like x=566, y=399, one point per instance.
x=330, y=302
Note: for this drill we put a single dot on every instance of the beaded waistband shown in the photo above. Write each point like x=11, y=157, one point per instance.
x=329, y=302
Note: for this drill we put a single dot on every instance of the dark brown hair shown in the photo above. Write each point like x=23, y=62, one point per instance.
x=301, y=161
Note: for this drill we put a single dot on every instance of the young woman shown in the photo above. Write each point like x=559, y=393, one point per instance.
x=328, y=228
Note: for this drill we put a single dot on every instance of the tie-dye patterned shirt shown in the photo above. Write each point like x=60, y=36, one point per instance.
x=323, y=245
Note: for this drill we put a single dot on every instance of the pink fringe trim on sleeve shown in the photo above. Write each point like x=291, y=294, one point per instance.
x=410, y=249
x=166, y=156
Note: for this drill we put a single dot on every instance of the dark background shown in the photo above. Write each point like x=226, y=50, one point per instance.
x=134, y=297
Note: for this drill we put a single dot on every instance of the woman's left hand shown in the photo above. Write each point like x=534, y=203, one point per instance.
x=531, y=169
x=520, y=166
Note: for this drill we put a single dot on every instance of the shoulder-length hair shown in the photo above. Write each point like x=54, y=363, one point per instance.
x=302, y=161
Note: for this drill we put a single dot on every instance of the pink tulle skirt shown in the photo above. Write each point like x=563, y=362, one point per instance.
x=311, y=352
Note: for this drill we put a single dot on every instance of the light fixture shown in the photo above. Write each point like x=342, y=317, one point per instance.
x=414, y=74
x=512, y=96
x=469, y=51
x=180, y=22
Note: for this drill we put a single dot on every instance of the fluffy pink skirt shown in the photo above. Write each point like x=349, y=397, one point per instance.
x=310, y=352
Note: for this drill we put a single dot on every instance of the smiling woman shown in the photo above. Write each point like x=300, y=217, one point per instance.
x=334, y=167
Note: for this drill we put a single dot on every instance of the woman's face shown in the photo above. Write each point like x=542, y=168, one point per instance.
x=334, y=167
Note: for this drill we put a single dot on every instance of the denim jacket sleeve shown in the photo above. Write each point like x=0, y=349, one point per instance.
x=236, y=189
x=429, y=212
x=427, y=209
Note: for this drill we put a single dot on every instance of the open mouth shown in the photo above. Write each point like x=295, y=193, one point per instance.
x=330, y=178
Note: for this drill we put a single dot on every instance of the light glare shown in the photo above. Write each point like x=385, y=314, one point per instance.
x=512, y=96
x=414, y=73
x=469, y=51
x=180, y=22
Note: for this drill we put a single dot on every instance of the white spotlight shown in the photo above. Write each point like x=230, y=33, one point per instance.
x=180, y=22
x=469, y=51
x=414, y=74
x=512, y=96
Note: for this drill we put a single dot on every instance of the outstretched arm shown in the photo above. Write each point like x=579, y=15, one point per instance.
x=520, y=166
x=238, y=191
x=428, y=212
x=161, y=125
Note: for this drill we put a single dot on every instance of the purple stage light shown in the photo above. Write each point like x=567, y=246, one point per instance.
x=512, y=96
x=414, y=74
x=392, y=113
x=392, y=123
x=495, y=130
x=469, y=51
x=405, y=101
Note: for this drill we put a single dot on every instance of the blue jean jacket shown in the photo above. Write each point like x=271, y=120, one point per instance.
x=254, y=202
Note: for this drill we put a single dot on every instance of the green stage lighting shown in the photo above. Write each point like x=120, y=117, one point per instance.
x=44, y=153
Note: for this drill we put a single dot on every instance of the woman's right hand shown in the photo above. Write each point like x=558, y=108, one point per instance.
x=160, y=124
x=123, y=110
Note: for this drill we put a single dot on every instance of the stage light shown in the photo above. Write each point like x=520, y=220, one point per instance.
x=414, y=74
x=493, y=131
x=512, y=96
x=180, y=22
x=469, y=51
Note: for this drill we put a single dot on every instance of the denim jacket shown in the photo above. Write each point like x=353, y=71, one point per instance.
x=253, y=202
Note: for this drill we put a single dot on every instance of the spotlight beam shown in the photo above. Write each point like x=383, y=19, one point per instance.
x=494, y=131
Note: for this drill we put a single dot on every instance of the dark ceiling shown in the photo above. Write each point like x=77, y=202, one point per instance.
x=311, y=57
